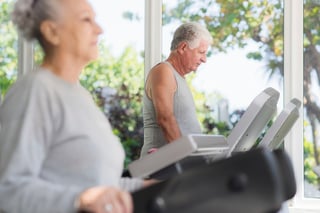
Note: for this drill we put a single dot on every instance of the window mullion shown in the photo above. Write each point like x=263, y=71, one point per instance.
x=25, y=56
x=153, y=33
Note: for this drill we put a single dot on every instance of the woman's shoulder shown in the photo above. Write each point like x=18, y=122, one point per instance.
x=37, y=83
x=43, y=80
x=35, y=76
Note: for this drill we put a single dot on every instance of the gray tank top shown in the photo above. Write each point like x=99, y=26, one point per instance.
x=184, y=111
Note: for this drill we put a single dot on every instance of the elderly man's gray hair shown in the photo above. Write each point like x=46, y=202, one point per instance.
x=192, y=33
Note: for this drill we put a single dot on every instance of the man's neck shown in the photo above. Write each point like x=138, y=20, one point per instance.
x=177, y=65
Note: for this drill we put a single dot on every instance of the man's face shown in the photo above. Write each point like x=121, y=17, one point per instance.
x=196, y=56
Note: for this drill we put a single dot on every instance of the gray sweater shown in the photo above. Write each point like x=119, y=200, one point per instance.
x=54, y=143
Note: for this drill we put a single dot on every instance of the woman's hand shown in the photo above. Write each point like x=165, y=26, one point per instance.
x=105, y=200
x=149, y=182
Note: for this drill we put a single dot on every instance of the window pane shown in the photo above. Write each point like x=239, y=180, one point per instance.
x=116, y=78
x=8, y=48
x=246, y=56
x=311, y=93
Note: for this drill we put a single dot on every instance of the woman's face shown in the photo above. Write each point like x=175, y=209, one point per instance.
x=77, y=29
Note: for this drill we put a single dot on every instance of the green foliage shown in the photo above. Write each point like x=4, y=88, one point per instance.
x=123, y=107
x=235, y=23
x=311, y=23
x=8, y=47
x=205, y=113
x=38, y=53
x=255, y=55
x=309, y=163
x=215, y=128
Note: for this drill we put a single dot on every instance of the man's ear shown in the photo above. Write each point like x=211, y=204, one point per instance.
x=49, y=31
x=182, y=47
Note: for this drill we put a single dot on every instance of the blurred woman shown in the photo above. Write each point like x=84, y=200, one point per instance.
x=57, y=150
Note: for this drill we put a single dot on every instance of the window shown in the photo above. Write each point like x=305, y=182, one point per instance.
x=293, y=65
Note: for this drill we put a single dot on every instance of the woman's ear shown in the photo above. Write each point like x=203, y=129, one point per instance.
x=49, y=32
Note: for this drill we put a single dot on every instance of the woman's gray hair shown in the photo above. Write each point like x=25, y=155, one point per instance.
x=27, y=15
x=192, y=33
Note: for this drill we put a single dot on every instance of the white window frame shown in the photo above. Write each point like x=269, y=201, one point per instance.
x=293, y=82
x=153, y=33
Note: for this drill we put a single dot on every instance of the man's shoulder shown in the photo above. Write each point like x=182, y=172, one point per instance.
x=161, y=69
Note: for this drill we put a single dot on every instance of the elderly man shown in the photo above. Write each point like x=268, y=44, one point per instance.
x=169, y=109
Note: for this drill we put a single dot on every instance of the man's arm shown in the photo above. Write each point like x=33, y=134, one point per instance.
x=163, y=85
